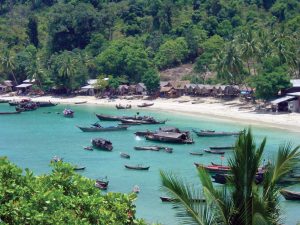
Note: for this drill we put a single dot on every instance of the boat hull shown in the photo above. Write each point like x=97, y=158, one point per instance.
x=102, y=129
x=137, y=167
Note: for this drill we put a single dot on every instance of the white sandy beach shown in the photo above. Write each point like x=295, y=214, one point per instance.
x=214, y=108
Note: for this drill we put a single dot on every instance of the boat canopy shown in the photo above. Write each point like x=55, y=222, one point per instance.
x=170, y=135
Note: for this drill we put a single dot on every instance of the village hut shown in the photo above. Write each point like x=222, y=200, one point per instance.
x=123, y=89
x=140, y=89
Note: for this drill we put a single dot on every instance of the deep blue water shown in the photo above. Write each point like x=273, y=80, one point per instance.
x=32, y=138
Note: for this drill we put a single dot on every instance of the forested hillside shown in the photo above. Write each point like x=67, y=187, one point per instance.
x=61, y=43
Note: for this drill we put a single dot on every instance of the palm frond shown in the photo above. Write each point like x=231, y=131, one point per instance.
x=190, y=210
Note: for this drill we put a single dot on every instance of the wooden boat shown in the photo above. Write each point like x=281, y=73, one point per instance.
x=102, y=144
x=103, y=129
x=101, y=186
x=130, y=124
x=4, y=101
x=45, y=104
x=151, y=148
x=161, y=129
x=123, y=107
x=166, y=199
x=124, y=155
x=79, y=168
x=290, y=195
x=109, y=118
x=222, y=178
x=221, y=147
x=89, y=148
x=180, y=138
x=69, y=113
x=168, y=150
x=143, y=133
x=82, y=102
x=214, y=169
x=13, y=103
x=56, y=159
x=143, y=121
x=103, y=181
x=208, y=133
x=137, y=167
x=214, y=151
x=9, y=113
x=145, y=104
x=196, y=153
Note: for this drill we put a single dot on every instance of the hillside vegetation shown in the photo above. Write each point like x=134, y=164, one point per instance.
x=62, y=43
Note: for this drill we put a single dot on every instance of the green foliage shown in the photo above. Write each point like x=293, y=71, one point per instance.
x=124, y=57
x=61, y=197
x=171, y=53
x=151, y=80
x=240, y=201
x=32, y=31
x=68, y=70
x=267, y=85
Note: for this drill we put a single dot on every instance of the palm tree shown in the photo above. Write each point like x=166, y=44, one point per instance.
x=249, y=48
x=229, y=64
x=240, y=201
x=67, y=71
x=7, y=63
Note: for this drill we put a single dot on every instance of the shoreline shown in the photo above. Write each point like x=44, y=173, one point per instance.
x=230, y=111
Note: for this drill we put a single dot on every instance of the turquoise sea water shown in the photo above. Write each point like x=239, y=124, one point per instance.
x=32, y=138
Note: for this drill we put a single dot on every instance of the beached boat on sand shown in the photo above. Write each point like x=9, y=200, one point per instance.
x=145, y=104
x=102, y=144
x=123, y=106
x=102, y=129
x=137, y=167
x=290, y=195
x=180, y=138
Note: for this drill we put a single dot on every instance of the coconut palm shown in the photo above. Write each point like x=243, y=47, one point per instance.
x=229, y=64
x=249, y=48
x=7, y=62
x=240, y=201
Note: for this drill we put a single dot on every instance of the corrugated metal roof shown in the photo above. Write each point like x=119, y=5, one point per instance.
x=294, y=94
x=283, y=99
x=23, y=85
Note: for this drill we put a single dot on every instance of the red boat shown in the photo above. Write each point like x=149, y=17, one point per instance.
x=214, y=169
x=102, y=183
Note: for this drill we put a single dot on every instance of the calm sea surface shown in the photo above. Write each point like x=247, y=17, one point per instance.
x=32, y=138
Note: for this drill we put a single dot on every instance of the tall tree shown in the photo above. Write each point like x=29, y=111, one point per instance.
x=240, y=201
x=7, y=62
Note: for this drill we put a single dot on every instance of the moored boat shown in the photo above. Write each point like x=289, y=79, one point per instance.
x=151, y=148
x=290, y=195
x=196, y=153
x=180, y=138
x=82, y=102
x=9, y=113
x=137, y=167
x=166, y=199
x=68, y=113
x=89, y=148
x=221, y=147
x=4, y=101
x=214, y=169
x=145, y=104
x=142, y=121
x=124, y=155
x=109, y=117
x=214, y=151
x=45, y=104
x=56, y=159
x=79, y=168
x=211, y=133
x=102, y=129
x=102, y=144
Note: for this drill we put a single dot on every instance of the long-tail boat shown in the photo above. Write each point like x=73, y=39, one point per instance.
x=102, y=183
x=180, y=138
x=79, y=168
x=214, y=169
x=290, y=195
x=166, y=199
x=124, y=155
x=9, y=113
x=142, y=121
x=102, y=144
x=196, y=153
x=145, y=104
x=102, y=129
x=214, y=151
x=123, y=107
x=4, y=101
x=137, y=167
x=45, y=104
x=109, y=117
x=161, y=129
x=68, y=113
x=209, y=133
x=221, y=147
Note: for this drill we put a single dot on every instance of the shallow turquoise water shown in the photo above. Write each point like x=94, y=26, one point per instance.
x=32, y=138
